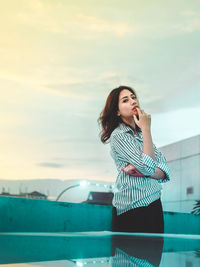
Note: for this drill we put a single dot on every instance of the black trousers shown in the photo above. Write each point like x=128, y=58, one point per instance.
x=146, y=248
x=147, y=219
x=143, y=219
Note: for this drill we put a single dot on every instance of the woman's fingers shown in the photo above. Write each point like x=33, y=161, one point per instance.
x=139, y=110
x=144, y=119
x=129, y=167
x=131, y=170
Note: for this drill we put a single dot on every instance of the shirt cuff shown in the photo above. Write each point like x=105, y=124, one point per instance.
x=149, y=164
x=166, y=170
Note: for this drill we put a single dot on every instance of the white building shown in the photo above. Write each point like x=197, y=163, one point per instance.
x=183, y=157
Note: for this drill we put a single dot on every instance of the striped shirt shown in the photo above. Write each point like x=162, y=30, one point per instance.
x=123, y=259
x=130, y=191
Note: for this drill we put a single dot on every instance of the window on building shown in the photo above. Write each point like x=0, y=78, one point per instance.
x=189, y=190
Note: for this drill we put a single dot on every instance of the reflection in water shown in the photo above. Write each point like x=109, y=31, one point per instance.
x=103, y=249
x=136, y=251
x=123, y=259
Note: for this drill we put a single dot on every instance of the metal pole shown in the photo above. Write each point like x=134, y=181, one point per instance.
x=72, y=186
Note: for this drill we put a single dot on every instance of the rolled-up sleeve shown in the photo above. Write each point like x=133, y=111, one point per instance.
x=163, y=165
x=128, y=150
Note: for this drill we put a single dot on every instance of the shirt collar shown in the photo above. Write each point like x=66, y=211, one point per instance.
x=126, y=128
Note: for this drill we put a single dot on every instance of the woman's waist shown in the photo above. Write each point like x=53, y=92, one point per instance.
x=137, y=183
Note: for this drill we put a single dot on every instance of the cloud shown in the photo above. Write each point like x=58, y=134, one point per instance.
x=91, y=84
x=180, y=91
x=182, y=97
x=50, y=165
x=190, y=22
x=85, y=89
x=73, y=139
x=50, y=17
x=75, y=163
x=98, y=25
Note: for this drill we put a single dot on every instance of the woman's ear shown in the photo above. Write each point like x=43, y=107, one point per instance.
x=118, y=113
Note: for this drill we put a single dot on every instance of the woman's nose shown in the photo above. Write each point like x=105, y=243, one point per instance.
x=133, y=101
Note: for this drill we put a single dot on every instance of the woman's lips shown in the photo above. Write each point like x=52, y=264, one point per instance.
x=135, y=110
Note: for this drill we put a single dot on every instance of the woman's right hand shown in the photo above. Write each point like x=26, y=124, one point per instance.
x=144, y=121
x=131, y=170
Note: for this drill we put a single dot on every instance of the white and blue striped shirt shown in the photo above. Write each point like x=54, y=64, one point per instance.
x=123, y=259
x=130, y=191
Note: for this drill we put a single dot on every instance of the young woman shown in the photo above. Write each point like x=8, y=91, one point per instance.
x=141, y=166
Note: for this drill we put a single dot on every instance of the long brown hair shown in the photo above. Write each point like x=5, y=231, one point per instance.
x=108, y=117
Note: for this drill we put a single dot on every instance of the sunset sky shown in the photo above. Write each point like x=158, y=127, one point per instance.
x=60, y=60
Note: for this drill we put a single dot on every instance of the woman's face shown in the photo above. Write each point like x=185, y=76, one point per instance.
x=126, y=104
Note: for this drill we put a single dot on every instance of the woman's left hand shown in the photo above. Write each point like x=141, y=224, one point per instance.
x=131, y=170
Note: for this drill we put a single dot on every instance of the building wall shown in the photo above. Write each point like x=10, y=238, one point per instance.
x=183, y=157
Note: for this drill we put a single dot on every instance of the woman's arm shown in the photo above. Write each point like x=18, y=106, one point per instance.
x=131, y=170
x=159, y=174
x=148, y=143
x=130, y=151
x=144, y=123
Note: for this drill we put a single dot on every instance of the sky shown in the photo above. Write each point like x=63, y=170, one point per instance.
x=60, y=60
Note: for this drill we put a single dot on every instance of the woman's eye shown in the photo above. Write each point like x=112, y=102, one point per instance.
x=125, y=100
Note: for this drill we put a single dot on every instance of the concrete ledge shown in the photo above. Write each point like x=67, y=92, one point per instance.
x=181, y=223
x=31, y=215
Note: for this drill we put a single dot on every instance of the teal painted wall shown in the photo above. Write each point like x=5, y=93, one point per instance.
x=181, y=223
x=31, y=215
